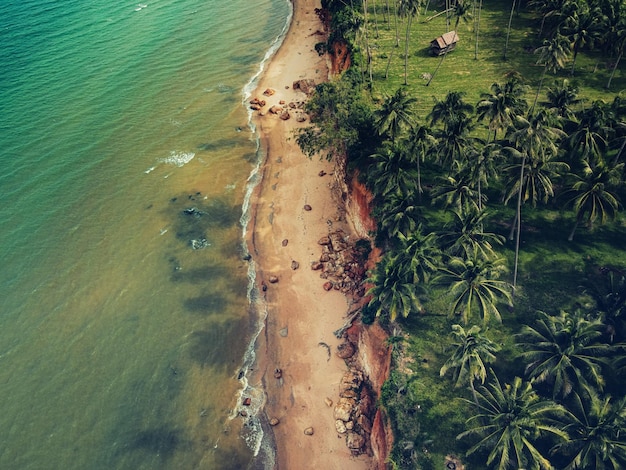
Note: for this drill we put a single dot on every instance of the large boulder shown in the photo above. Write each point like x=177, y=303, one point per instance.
x=306, y=85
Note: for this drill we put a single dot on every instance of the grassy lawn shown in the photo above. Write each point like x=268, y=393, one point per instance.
x=460, y=70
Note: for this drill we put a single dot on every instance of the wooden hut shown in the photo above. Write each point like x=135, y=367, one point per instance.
x=444, y=43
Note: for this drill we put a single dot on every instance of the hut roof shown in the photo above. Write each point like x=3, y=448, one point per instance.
x=446, y=39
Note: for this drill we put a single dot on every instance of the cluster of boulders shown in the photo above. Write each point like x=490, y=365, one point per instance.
x=340, y=264
x=355, y=407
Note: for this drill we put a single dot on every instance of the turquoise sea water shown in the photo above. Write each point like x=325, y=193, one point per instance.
x=124, y=158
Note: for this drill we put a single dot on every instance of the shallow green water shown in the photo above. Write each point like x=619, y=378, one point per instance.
x=123, y=140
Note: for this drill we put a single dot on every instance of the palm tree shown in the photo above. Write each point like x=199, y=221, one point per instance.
x=477, y=27
x=508, y=30
x=474, y=286
x=472, y=351
x=391, y=170
x=617, y=36
x=418, y=253
x=592, y=195
x=534, y=138
x=589, y=140
x=511, y=421
x=502, y=105
x=597, y=433
x=395, y=114
x=536, y=184
x=397, y=214
x=608, y=290
x=451, y=109
x=457, y=191
x=392, y=293
x=465, y=236
x=583, y=27
x=564, y=352
x=483, y=166
x=454, y=142
x=420, y=142
x=552, y=55
x=408, y=9
x=562, y=98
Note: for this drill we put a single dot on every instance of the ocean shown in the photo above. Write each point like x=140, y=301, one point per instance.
x=126, y=164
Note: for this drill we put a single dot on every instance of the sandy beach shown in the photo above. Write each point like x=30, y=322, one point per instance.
x=292, y=208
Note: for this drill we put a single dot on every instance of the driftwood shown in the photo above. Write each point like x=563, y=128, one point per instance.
x=351, y=317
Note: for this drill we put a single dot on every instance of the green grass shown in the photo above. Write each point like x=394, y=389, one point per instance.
x=461, y=71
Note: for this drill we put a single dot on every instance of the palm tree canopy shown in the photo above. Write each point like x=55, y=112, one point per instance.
x=465, y=236
x=474, y=286
x=565, y=352
x=596, y=429
x=472, y=351
x=553, y=54
x=512, y=419
x=395, y=114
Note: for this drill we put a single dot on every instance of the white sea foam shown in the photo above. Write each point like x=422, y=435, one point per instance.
x=256, y=439
x=178, y=158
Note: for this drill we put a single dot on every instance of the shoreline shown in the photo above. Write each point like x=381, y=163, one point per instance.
x=291, y=208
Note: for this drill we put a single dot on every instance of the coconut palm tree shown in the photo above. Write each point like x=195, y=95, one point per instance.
x=616, y=36
x=408, y=9
x=534, y=138
x=590, y=138
x=457, y=191
x=391, y=170
x=583, y=27
x=450, y=109
x=397, y=214
x=418, y=253
x=512, y=419
x=552, y=55
x=453, y=143
x=592, y=195
x=472, y=351
x=597, y=433
x=537, y=182
x=562, y=98
x=474, y=286
x=465, y=236
x=392, y=293
x=564, y=352
x=502, y=105
x=482, y=164
x=395, y=114
x=420, y=142
x=508, y=30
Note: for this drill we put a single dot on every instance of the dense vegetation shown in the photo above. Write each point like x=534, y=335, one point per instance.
x=497, y=172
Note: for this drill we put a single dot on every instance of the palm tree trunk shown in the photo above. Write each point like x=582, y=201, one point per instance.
x=571, y=235
x=419, y=179
x=508, y=31
x=513, y=227
x=619, y=57
x=532, y=108
x=388, y=64
x=437, y=69
x=396, y=22
x=406, y=50
x=480, y=7
x=474, y=392
x=574, y=60
x=519, y=222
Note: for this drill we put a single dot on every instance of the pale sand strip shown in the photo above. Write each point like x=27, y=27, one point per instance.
x=297, y=305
